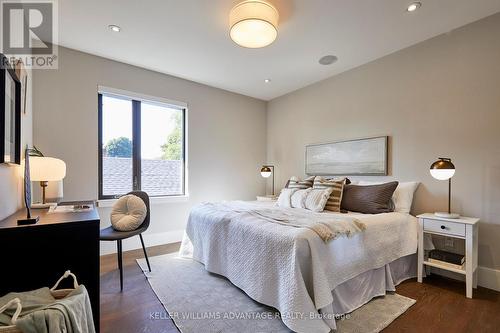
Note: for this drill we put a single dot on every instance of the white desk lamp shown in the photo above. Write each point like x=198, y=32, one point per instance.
x=44, y=170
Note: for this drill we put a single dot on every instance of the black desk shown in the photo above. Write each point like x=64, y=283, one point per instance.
x=35, y=256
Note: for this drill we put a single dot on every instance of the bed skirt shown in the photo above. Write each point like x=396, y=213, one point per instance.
x=359, y=290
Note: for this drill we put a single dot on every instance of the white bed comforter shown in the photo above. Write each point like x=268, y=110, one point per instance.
x=292, y=269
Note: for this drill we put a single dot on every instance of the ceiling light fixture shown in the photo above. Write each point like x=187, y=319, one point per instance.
x=114, y=28
x=253, y=23
x=413, y=6
x=328, y=59
x=267, y=80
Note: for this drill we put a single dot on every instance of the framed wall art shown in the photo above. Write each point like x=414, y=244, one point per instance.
x=363, y=157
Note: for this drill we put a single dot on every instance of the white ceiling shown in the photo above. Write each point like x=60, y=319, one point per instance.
x=190, y=38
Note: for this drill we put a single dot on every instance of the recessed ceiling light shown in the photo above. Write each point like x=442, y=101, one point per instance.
x=114, y=28
x=413, y=6
x=328, y=59
x=267, y=80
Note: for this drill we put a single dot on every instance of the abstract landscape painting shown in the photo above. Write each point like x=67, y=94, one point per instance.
x=353, y=157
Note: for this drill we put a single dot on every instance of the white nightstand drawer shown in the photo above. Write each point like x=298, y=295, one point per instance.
x=444, y=227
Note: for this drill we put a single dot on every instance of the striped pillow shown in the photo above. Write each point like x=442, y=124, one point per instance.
x=317, y=198
x=298, y=198
x=337, y=185
x=295, y=182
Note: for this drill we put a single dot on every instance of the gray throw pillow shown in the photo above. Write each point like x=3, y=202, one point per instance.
x=369, y=199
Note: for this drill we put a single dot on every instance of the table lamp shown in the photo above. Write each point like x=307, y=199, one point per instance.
x=44, y=170
x=266, y=172
x=443, y=169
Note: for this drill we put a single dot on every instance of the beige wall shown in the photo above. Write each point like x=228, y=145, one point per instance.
x=11, y=175
x=226, y=143
x=437, y=98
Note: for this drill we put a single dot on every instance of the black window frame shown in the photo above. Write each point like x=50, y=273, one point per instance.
x=136, y=145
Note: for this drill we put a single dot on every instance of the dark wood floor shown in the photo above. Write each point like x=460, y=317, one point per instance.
x=441, y=304
x=129, y=311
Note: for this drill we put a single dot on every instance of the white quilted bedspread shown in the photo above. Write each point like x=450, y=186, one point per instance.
x=292, y=269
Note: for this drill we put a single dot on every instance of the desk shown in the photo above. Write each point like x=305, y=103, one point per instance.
x=35, y=256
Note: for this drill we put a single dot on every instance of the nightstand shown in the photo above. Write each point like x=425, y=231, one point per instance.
x=267, y=198
x=462, y=228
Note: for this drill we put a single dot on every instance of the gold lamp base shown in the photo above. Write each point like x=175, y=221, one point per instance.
x=43, y=204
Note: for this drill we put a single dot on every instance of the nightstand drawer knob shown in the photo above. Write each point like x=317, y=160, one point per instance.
x=443, y=227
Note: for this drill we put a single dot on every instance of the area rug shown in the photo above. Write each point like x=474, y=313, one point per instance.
x=198, y=301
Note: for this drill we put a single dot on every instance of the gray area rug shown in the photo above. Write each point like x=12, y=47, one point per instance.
x=199, y=301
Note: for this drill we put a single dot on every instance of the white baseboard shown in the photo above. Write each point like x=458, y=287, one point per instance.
x=134, y=243
x=487, y=277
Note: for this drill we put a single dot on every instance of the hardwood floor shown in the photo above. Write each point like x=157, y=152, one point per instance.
x=441, y=304
x=129, y=311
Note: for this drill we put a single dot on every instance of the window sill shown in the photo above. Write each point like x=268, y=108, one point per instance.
x=153, y=200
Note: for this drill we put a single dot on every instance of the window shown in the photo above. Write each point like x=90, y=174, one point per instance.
x=141, y=145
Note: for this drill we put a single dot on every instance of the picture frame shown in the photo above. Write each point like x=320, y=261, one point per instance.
x=22, y=75
x=10, y=113
x=359, y=157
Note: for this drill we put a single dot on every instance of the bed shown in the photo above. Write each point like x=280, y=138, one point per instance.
x=309, y=280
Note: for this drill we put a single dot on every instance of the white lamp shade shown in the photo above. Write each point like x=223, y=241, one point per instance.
x=47, y=169
x=442, y=174
x=265, y=174
x=253, y=23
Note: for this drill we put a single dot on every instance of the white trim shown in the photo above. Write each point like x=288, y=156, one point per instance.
x=489, y=278
x=134, y=243
x=153, y=200
x=186, y=152
x=138, y=96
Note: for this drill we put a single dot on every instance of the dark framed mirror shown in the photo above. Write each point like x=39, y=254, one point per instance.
x=10, y=113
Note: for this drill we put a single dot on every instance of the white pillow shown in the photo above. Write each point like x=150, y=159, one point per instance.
x=298, y=198
x=402, y=197
x=285, y=198
x=128, y=213
x=316, y=199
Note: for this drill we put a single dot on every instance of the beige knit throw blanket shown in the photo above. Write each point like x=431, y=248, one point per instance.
x=326, y=226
